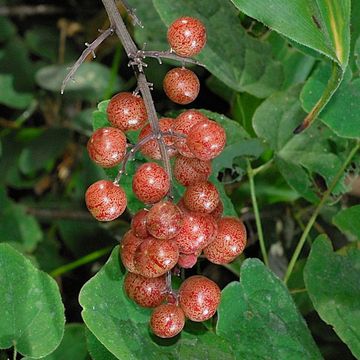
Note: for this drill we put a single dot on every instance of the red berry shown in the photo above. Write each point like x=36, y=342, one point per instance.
x=127, y=111
x=105, y=200
x=182, y=125
x=181, y=85
x=206, y=140
x=187, y=36
x=138, y=224
x=107, y=147
x=229, y=242
x=150, y=183
x=151, y=148
x=217, y=213
x=201, y=197
x=164, y=220
x=167, y=320
x=129, y=244
x=187, y=261
x=146, y=292
x=155, y=257
x=199, y=298
x=191, y=171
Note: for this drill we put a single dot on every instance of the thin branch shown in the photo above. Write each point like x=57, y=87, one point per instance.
x=132, y=13
x=59, y=214
x=30, y=10
x=168, y=55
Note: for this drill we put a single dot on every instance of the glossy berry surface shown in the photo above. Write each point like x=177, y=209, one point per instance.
x=229, y=242
x=167, y=320
x=105, y=200
x=164, y=220
x=181, y=85
x=138, y=224
x=107, y=147
x=217, y=213
x=199, y=298
x=150, y=183
x=187, y=36
x=187, y=261
x=191, y=171
x=206, y=140
x=201, y=197
x=128, y=245
x=146, y=292
x=154, y=257
x=127, y=111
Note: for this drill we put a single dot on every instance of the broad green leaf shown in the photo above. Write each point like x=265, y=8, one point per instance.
x=347, y=220
x=357, y=52
x=333, y=284
x=7, y=28
x=240, y=61
x=96, y=349
x=32, y=314
x=10, y=97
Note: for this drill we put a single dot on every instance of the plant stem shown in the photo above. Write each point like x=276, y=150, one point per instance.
x=317, y=211
x=263, y=167
x=15, y=353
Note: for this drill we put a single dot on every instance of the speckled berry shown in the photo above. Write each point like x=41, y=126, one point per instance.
x=146, y=292
x=181, y=85
x=150, y=183
x=127, y=111
x=199, y=298
x=187, y=261
x=206, y=140
x=217, y=213
x=128, y=245
x=167, y=320
x=107, y=147
x=201, y=197
x=164, y=220
x=191, y=171
x=187, y=36
x=105, y=200
x=138, y=224
x=229, y=242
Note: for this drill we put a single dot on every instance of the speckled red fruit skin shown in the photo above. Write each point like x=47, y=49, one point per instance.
x=167, y=320
x=191, y=171
x=181, y=85
x=182, y=206
x=146, y=292
x=107, y=147
x=197, y=231
x=229, y=242
x=150, y=183
x=199, y=297
x=164, y=220
x=183, y=125
x=138, y=224
x=217, y=213
x=105, y=200
x=128, y=245
x=187, y=261
x=206, y=140
x=127, y=111
x=154, y=257
x=201, y=197
x=187, y=36
x=151, y=148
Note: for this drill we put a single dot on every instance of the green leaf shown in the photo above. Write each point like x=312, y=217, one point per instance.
x=333, y=284
x=7, y=29
x=96, y=349
x=347, y=221
x=260, y=318
x=32, y=314
x=357, y=52
x=10, y=97
x=240, y=61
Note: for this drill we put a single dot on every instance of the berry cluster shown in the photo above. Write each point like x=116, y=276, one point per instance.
x=166, y=236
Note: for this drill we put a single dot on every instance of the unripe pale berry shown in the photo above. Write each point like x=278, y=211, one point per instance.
x=229, y=242
x=150, y=183
x=107, y=147
x=127, y=111
x=105, y=200
x=187, y=36
x=191, y=171
x=199, y=297
x=129, y=244
x=181, y=85
x=187, y=261
x=167, y=320
x=138, y=224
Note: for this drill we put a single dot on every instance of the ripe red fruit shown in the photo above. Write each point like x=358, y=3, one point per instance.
x=146, y=292
x=187, y=36
x=127, y=111
x=138, y=224
x=191, y=171
x=105, y=200
x=217, y=213
x=181, y=85
x=201, y=197
x=107, y=147
x=199, y=298
x=206, y=140
x=150, y=183
x=164, y=220
x=229, y=242
x=128, y=245
x=155, y=257
x=167, y=320
x=187, y=261
x=151, y=148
